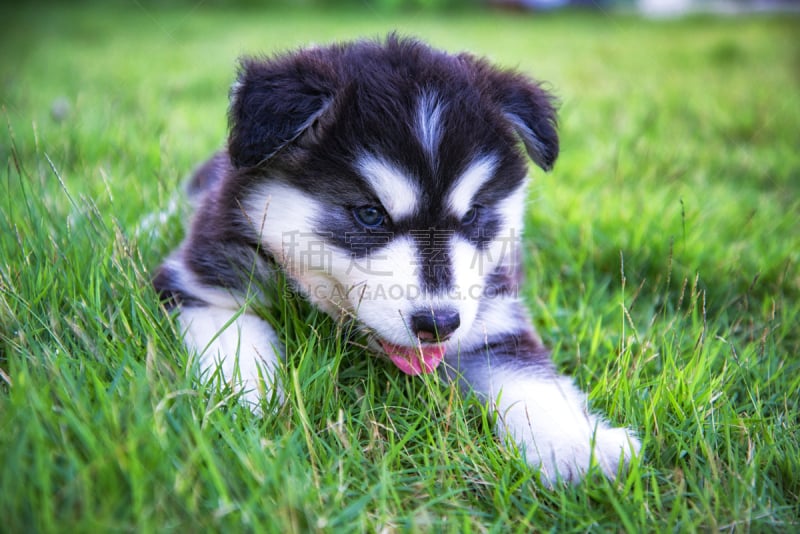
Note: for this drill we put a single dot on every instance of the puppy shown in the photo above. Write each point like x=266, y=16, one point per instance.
x=387, y=182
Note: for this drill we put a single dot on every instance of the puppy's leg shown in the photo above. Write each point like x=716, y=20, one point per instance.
x=219, y=329
x=243, y=347
x=546, y=415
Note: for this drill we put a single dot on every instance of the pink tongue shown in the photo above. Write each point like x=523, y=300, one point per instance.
x=415, y=360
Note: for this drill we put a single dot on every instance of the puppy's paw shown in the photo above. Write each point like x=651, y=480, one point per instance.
x=612, y=447
x=549, y=420
x=570, y=458
x=239, y=349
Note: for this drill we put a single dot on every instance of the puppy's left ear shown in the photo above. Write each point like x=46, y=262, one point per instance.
x=529, y=108
x=275, y=102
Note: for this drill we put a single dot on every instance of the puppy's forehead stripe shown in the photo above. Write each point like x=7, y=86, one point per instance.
x=461, y=195
x=396, y=190
x=429, y=115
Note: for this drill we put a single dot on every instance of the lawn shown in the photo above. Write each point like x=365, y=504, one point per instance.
x=663, y=265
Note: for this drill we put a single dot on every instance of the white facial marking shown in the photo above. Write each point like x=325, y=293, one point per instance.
x=504, y=248
x=397, y=191
x=462, y=194
x=280, y=214
x=429, y=115
x=384, y=288
x=512, y=209
x=469, y=275
x=283, y=217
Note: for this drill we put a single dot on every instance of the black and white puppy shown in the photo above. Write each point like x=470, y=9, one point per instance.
x=386, y=181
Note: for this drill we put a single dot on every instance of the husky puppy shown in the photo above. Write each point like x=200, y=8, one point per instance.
x=387, y=182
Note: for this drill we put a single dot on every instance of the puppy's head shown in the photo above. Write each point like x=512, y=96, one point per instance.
x=388, y=181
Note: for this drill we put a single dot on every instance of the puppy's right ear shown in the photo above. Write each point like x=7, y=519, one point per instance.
x=529, y=109
x=275, y=102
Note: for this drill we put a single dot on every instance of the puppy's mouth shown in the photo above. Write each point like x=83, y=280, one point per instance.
x=422, y=359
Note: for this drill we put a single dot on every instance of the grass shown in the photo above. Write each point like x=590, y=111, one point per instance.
x=662, y=266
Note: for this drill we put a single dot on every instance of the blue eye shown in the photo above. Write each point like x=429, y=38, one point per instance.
x=470, y=216
x=369, y=216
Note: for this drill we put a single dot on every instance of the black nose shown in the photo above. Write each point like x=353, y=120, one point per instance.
x=435, y=325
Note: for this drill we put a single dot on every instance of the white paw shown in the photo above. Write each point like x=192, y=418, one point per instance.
x=242, y=349
x=548, y=419
x=570, y=458
x=615, y=445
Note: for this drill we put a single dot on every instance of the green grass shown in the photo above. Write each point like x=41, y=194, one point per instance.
x=663, y=259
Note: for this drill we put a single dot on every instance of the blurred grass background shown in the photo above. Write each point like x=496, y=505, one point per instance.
x=662, y=267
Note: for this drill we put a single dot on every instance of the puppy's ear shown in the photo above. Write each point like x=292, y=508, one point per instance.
x=532, y=112
x=275, y=102
x=529, y=108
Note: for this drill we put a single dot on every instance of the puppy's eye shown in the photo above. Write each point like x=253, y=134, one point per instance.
x=369, y=216
x=470, y=216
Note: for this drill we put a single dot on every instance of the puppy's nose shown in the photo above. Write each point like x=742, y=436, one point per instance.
x=435, y=325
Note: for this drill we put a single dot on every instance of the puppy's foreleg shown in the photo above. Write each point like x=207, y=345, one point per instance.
x=548, y=418
x=241, y=346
